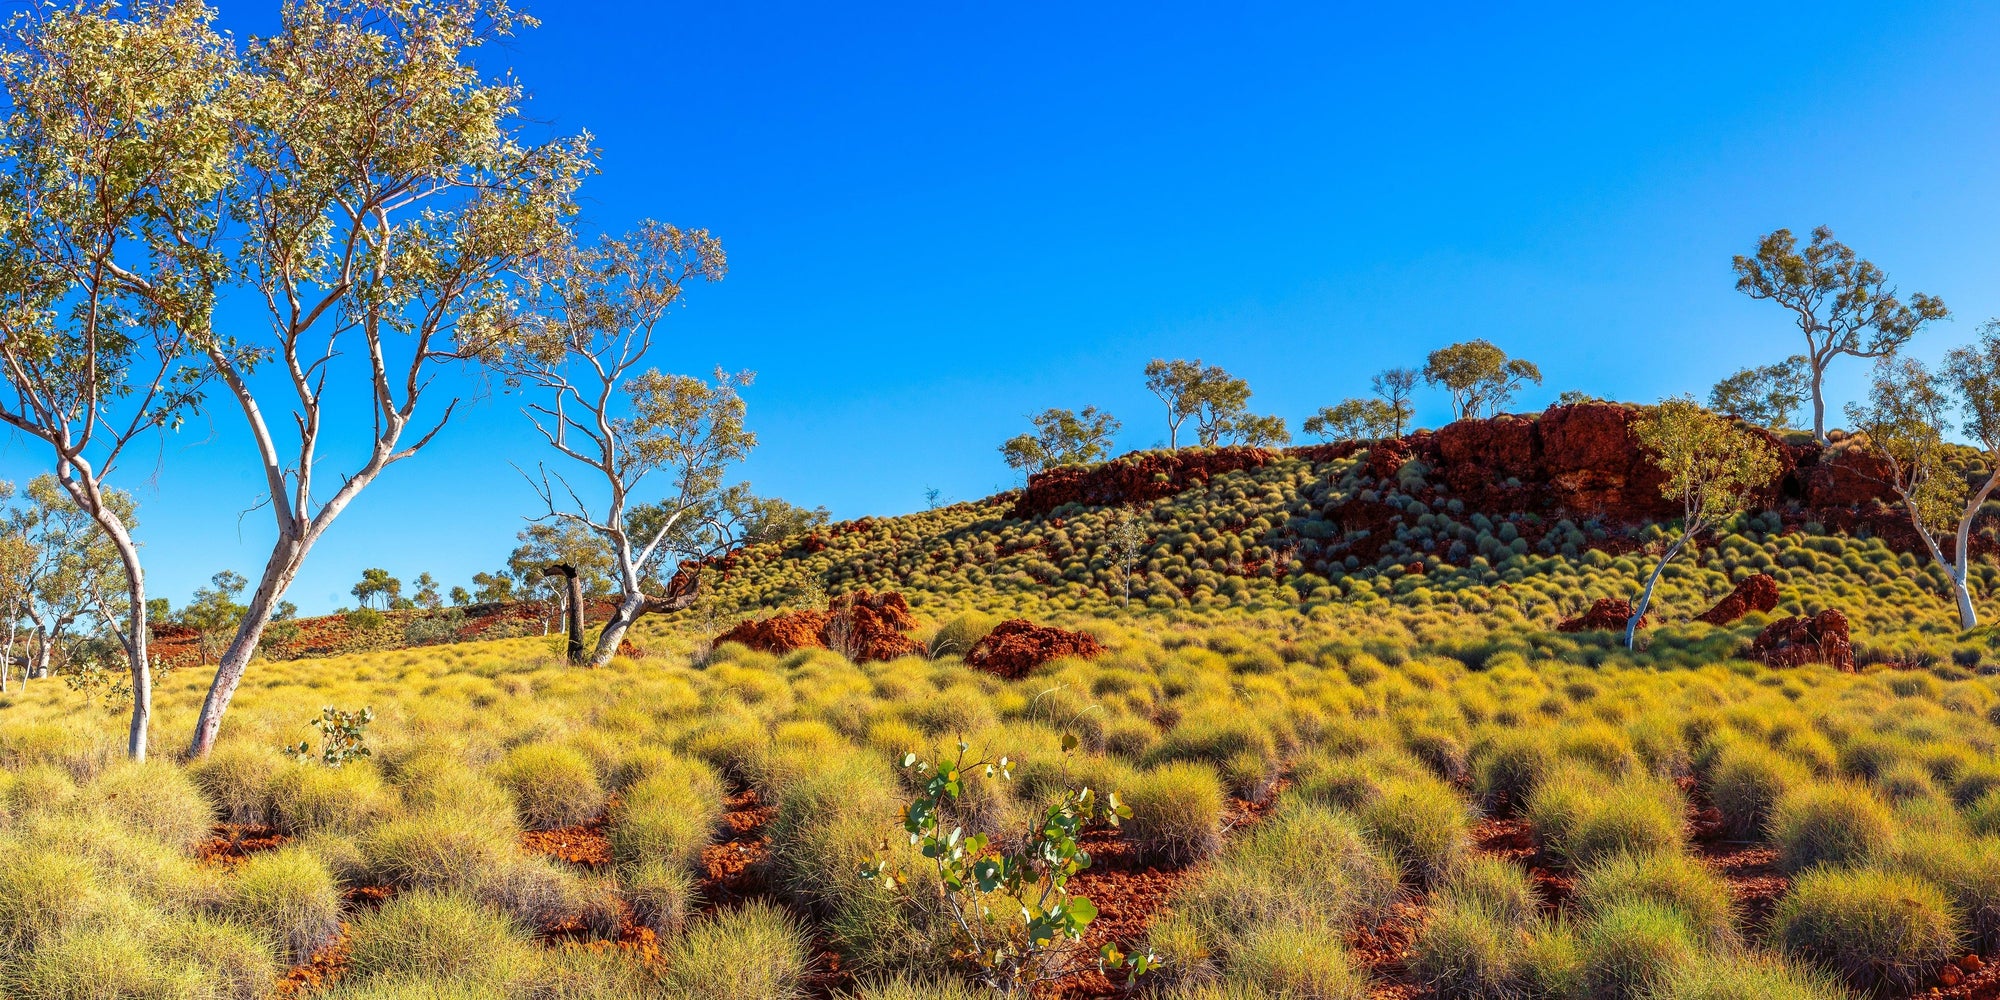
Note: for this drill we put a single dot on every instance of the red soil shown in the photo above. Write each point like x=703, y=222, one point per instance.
x=584, y=844
x=865, y=626
x=229, y=843
x=1017, y=646
x=320, y=971
x=1757, y=592
x=1134, y=478
x=732, y=865
x=1609, y=614
x=1798, y=640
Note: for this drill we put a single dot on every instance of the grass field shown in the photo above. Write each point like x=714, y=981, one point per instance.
x=1382, y=783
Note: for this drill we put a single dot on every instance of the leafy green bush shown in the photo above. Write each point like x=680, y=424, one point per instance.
x=1876, y=929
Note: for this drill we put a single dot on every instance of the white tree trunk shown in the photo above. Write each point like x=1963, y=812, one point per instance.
x=279, y=571
x=1646, y=596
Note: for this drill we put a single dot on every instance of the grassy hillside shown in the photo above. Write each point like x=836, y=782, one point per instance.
x=1384, y=778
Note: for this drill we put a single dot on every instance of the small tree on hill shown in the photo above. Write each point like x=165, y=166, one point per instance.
x=1062, y=437
x=1713, y=469
x=1394, y=387
x=587, y=320
x=1208, y=394
x=1354, y=420
x=214, y=612
x=1906, y=421
x=1765, y=395
x=1480, y=377
x=1177, y=384
x=377, y=587
x=1842, y=303
x=1249, y=430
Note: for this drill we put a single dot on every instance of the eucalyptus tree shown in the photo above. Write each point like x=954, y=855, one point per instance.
x=1841, y=302
x=590, y=315
x=388, y=190
x=1907, y=420
x=1479, y=376
x=1062, y=437
x=115, y=149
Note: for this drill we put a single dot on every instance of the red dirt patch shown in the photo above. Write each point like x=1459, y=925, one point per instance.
x=1757, y=592
x=321, y=970
x=583, y=844
x=1134, y=478
x=731, y=866
x=229, y=843
x=1609, y=614
x=1017, y=646
x=1799, y=640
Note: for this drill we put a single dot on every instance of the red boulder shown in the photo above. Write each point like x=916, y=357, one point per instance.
x=1017, y=646
x=1609, y=614
x=1802, y=639
x=862, y=626
x=1758, y=592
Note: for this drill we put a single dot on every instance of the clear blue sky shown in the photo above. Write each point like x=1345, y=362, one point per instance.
x=942, y=217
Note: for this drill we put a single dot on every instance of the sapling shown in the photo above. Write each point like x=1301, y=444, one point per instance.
x=1010, y=910
x=1713, y=468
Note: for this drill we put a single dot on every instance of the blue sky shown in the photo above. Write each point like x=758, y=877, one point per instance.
x=943, y=217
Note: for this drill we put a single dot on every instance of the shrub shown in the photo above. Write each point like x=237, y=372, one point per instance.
x=437, y=784
x=1835, y=823
x=155, y=799
x=1495, y=886
x=231, y=962
x=438, y=937
x=1466, y=953
x=537, y=893
x=1423, y=824
x=1983, y=816
x=1873, y=928
x=1667, y=878
x=667, y=817
x=1628, y=946
x=310, y=797
x=433, y=850
x=290, y=896
x=1352, y=782
x=236, y=778
x=1232, y=742
x=110, y=961
x=957, y=636
x=1748, y=977
x=905, y=988
x=552, y=785
x=1303, y=865
x=1176, y=813
x=1967, y=868
x=1747, y=783
x=1309, y=963
x=661, y=895
x=754, y=952
x=1640, y=815
x=1508, y=766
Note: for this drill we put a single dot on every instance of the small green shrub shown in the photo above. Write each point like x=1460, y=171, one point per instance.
x=552, y=785
x=957, y=636
x=1424, y=824
x=433, y=850
x=667, y=817
x=288, y=895
x=661, y=895
x=1466, y=953
x=154, y=799
x=754, y=952
x=308, y=797
x=1747, y=783
x=1495, y=886
x=1629, y=946
x=1176, y=813
x=438, y=937
x=1748, y=977
x=1833, y=823
x=1667, y=878
x=1310, y=963
x=43, y=892
x=1875, y=929
x=1638, y=815
x=237, y=779
x=1509, y=766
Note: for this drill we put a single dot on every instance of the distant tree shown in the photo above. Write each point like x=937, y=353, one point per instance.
x=377, y=587
x=1212, y=397
x=493, y=588
x=1574, y=397
x=933, y=498
x=17, y=560
x=426, y=596
x=460, y=597
x=1128, y=547
x=1177, y=384
x=1221, y=402
x=1354, y=420
x=1480, y=377
x=1713, y=469
x=1842, y=303
x=1906, y=420
x=1249, y=430
x=1062, y=437
x=214, y=612
x=284, y=612
x=1765, y=395
x=586, y=321
x=545, y=544
x=1394, y=387
x=75, y=570
x=732, y=517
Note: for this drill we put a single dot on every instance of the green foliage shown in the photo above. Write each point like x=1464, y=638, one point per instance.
x=1480, y=377
x=984, y=884
x=552, y=786
x=1831, y=823
x=1062, y=437
x=1176, y=813
x=343, y=737
x=288, y=895
x=439, y=938
x=1629, y=946
x=754, y=952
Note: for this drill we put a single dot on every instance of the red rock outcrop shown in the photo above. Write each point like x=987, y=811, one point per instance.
x=1609, y=614
x=861, y=625
x=1757, y=592
x=1801, y=639
x=1017, y=646
x=1134, y=478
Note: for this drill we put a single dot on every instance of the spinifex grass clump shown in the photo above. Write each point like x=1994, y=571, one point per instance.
x=1017, y=924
